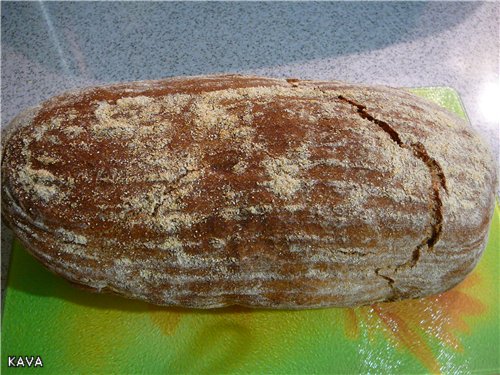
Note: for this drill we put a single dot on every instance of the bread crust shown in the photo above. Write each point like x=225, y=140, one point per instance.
x=211, y=191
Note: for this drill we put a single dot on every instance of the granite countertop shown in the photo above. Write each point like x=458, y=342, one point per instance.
x=49, y=47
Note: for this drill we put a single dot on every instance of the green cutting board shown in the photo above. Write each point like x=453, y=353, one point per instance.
x=76, y=332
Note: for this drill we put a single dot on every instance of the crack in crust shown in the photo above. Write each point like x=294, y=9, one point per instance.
x=438, y=181
x=390, y=283
x=177, y=184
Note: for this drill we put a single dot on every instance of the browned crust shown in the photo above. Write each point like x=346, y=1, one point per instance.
x=217, y=190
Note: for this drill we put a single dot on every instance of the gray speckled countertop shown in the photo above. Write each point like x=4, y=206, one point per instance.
x=51, y=47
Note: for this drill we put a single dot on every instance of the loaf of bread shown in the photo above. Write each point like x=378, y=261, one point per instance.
x=224, y=190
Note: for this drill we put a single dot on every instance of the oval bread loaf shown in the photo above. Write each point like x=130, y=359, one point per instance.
x=218, y=190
